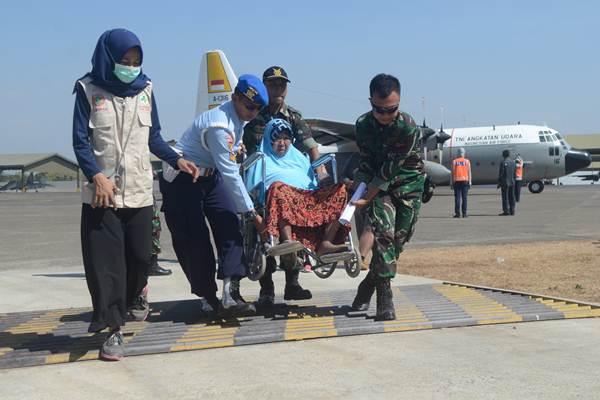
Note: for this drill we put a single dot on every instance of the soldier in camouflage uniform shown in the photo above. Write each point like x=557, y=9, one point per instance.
x=276, y=79
x=391, y=166
x=155, y=269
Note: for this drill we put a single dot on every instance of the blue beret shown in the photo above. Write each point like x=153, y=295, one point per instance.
x=253, y=88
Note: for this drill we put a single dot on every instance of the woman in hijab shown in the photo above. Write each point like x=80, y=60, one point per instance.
x=115, y=127
x=297, y=210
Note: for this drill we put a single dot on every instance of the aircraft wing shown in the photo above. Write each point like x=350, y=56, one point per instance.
x=338, y=137
x=591, y=177
x=333, y=136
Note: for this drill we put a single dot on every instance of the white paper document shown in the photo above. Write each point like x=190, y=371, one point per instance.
x=350, y=208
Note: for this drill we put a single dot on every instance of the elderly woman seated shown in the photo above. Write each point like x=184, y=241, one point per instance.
x=297, y=210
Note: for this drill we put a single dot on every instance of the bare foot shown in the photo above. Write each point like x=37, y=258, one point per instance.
x=327, y=247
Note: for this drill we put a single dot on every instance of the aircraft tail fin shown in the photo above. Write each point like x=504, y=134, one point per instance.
x=216, y=81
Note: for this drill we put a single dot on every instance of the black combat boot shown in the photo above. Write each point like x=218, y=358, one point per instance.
x=365, y=291
x=157, y=270
x=385, y=304
x=232, y=299
x=293, y=290
x=266, y=296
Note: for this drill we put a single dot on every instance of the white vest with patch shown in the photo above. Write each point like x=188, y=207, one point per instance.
x=121, y=128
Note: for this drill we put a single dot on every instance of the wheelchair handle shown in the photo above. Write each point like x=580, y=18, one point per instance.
x=251, y=160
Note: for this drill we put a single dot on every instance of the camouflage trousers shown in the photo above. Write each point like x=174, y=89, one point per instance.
x=156, y=228
x=392, y=221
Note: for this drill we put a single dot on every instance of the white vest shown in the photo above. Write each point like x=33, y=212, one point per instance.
x=121, y=127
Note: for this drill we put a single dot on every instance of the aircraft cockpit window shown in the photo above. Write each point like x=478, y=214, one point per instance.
x=542, y=138
x=562, y=142
x=551, y=151
x=559, y=136
x=554, y=138
x=557, y=151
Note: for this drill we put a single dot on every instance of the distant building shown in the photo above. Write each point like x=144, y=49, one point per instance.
x=53, y=165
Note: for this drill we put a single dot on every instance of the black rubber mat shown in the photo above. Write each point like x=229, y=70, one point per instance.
x=56, y=336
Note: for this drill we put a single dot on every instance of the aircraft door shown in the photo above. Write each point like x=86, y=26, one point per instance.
x=556, y=154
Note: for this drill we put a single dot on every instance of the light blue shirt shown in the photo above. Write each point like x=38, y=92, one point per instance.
x=212, y=142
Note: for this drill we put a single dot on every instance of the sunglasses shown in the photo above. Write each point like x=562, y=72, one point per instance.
x=251, y=106
x=385, y=110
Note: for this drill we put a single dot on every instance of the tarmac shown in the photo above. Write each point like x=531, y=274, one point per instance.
x=40, y=262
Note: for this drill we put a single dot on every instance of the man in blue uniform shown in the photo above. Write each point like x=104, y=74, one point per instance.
x=506, y=183
x=218, y=195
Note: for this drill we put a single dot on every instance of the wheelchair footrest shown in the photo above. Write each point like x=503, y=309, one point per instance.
x=336, y=257
x=280, y=249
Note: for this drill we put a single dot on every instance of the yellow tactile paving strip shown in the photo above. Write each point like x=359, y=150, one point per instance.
x=56, y=336
x=481, y=308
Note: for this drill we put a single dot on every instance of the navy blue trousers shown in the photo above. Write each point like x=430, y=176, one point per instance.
x=518, y=191
x=187, y=206
x=461, y=189
x=508, y=199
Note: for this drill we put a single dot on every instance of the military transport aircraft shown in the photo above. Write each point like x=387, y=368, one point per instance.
x=545, y=153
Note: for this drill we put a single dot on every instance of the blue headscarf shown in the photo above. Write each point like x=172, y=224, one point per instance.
x=292, y=168
x=110, y=49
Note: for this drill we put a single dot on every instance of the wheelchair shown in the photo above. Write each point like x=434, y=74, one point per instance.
x=257, y=252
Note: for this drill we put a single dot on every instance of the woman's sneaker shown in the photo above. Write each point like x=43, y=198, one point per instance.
x=113, y=348
x=140, y=308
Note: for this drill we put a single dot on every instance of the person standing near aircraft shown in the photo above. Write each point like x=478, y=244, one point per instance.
x=115, y=127
x=390, y=164
x=212, y=143
x=461, y=182
x=506, y=183
x=518, y=177
x=276, y=80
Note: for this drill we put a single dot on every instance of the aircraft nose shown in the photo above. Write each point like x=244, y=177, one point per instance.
x=576, y=160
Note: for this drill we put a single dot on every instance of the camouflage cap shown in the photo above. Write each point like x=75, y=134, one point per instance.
x=275, y=72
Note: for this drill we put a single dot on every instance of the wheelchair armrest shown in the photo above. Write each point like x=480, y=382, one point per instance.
x=251, y=160
x=324, y=159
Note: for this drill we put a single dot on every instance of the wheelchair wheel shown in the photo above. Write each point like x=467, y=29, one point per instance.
x=325, y=270
x=255, y=257
x=257, y=265
x=352, y=268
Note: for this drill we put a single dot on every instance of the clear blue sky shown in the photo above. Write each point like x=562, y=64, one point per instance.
x=485, y=62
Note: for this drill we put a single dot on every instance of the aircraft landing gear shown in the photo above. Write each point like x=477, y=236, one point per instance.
x=536, y=186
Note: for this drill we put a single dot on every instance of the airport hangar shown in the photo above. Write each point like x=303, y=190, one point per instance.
x=50, y=164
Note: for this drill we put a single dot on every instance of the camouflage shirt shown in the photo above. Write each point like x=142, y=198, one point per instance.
x=253, y=131
x=390, y=155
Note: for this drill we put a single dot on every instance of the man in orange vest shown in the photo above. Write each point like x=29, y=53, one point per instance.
x=461, y=182
x=518, y=177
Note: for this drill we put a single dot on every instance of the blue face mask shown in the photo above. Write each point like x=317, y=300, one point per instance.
x=125, y=73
